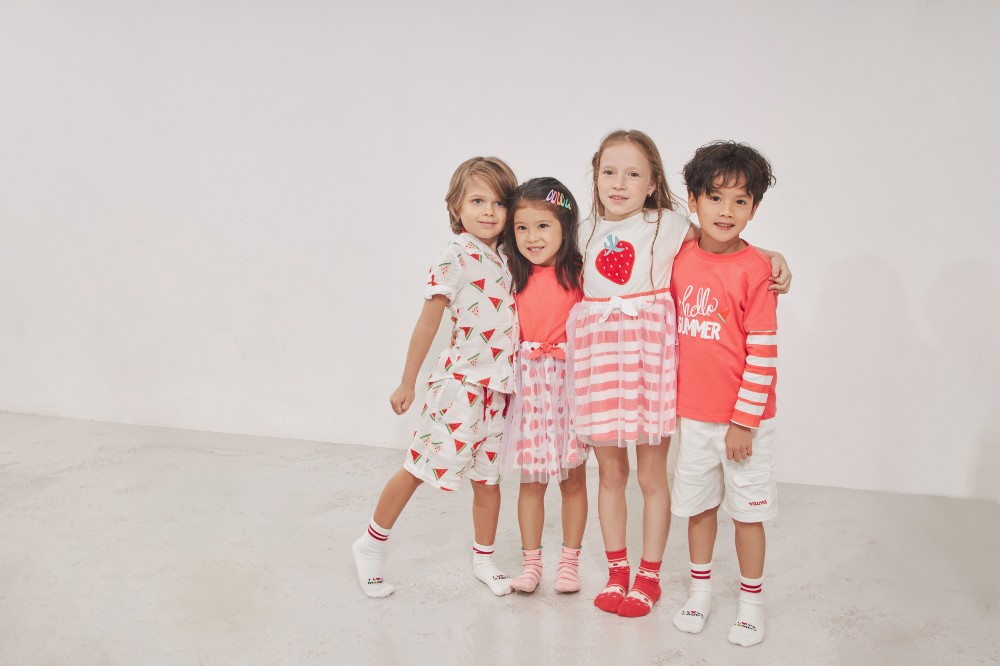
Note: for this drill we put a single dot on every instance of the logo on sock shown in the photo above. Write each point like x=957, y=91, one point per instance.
x=691, y=613
x=745, y=625
x=758, y=503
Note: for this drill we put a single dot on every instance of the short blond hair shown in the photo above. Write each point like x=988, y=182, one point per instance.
x=493, y=170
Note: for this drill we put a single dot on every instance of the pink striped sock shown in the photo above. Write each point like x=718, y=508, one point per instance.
x=531, y=573
x=568, y=576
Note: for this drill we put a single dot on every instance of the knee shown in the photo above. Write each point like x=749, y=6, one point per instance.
x=707, y=514
x=532, y=490
x=486, y=493
x=573, y=485
x=613, y=477
x=651, y=481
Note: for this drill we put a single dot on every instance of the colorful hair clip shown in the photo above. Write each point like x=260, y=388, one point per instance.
x=559, y=199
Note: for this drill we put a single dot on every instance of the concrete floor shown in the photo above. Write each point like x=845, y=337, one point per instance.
x=137, y=545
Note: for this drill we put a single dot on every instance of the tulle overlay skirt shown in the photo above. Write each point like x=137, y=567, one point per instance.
x=623, y=363
x=538, y=443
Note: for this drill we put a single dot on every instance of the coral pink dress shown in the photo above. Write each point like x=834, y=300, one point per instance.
x=538, y=442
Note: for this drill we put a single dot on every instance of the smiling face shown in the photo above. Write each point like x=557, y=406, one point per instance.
x=624, y=180
x=723, y=213
x=538, y=234
x=482, y=212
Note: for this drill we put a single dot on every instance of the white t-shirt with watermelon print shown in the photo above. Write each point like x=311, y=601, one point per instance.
x=477, y=282
x=618, y=257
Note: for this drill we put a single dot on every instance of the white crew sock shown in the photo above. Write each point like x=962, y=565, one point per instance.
x=749, y=626
x=692, y=615
x=368, y=552
x=487, y=571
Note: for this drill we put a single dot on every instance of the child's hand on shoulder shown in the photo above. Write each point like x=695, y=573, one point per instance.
x=738, y=443
x=402, y=398
x=781, y=274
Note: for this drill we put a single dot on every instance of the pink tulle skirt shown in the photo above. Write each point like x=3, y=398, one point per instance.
x=623, y=363
x=538, y=443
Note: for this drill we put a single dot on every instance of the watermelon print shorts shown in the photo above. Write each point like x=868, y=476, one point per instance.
x=459, y=435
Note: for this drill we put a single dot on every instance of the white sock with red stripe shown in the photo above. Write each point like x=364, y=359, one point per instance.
x=368, y=560
x=692, y=615
x=749, y=626
x=487, y=570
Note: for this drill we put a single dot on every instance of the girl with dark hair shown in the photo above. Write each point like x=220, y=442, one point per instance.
x=540, y=239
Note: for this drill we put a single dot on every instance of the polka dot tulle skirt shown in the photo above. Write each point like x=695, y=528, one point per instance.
x=538, y=443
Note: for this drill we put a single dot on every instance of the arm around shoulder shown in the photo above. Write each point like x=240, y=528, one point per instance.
x=781, y=274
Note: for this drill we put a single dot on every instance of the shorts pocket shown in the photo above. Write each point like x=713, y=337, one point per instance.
x=744, y=479
x=754, y=491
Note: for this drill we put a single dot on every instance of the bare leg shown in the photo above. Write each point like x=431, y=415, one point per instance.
x=574, y=506
x=750, y=545
x=702, y=530
x=485, y=515
x=368, y=549
x=395, y=495
x=612, y=511
x=651, y=470
x=574, y=520
x=531, y=519
x=485, y=512
x=531, y=514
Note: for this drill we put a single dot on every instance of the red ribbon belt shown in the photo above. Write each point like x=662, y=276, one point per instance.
x=555, y=351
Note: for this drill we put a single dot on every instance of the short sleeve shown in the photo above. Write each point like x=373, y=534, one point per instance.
x=673, y=228
x=677, y=226
x=445, y=276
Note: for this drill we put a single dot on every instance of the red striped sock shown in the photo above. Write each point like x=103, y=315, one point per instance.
x=645, y=591
x=377, y=532
x=619, y=572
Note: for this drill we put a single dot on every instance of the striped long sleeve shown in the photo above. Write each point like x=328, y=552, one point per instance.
x=759, y=375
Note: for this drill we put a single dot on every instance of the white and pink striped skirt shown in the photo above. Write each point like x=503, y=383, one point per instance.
x=538, y=444
x=623, y=363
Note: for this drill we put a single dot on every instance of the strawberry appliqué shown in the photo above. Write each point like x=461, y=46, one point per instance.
x=616, y=260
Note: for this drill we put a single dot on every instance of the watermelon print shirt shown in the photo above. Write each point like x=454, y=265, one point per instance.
x=484, y=335
x=618, y=253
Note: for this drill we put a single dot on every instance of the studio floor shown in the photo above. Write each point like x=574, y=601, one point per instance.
x=137, y=545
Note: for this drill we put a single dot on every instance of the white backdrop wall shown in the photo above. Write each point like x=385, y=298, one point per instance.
x=218, y=215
